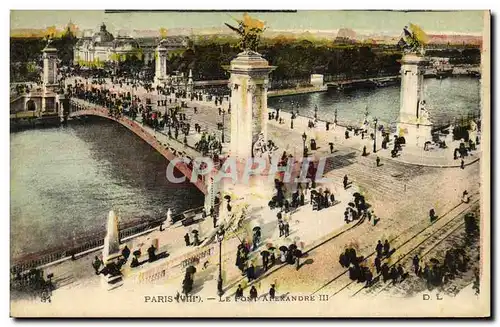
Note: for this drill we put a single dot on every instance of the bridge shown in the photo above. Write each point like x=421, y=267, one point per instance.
x=158, y=141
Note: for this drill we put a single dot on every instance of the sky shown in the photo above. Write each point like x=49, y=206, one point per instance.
x=390, y=22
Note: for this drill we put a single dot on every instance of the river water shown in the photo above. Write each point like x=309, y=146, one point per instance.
x=65, y=180
x=446, y=100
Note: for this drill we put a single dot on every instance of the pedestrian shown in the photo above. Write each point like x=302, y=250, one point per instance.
x=253, y=293
x=97, y=264
x=378, y=264
x=368, y=277
x=286, y=228
x=196, y=241
x=432, y=215
x=126, y=252
x=394, y=274
x=379, y=248
x=186, y=239
x=152, y=253
x=343, y=261
x=239, y=292
x=364, y=151
x=465, y=197
x=281, y=227
x=214, y=219
x=272, y=258
x=387, y=248
x=345, y=181
x=401, y=271
x=378, y=161
x=250, y=272
x=385, y=272
x=416, y=262
x=331, y=147
x=272, y=292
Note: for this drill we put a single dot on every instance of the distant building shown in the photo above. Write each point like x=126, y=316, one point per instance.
x=104, y=47
x=171, y=43
x=345, y=36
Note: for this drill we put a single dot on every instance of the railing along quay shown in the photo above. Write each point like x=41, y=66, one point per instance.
x=87, y=243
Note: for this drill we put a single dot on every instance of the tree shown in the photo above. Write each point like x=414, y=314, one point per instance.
x=65, y=45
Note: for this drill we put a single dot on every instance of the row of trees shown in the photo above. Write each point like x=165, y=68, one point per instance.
x=295, y=59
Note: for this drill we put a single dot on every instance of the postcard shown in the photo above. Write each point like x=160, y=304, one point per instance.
x=250, y=163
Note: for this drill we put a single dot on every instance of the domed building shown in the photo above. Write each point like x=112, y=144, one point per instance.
x=103, y=47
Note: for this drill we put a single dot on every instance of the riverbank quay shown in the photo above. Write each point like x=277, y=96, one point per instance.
x=336, y=134
x=176, y=256
x=297, y=90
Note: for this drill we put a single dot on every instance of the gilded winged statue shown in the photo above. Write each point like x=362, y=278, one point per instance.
x=413, y=39
x=249, y=29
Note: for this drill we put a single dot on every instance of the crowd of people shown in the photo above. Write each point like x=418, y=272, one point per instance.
x=171, y=120
x=435, y=273
x=358, y=209
x=360, y=271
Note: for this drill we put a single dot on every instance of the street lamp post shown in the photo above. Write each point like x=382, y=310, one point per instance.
x=223, y=120
x=375, y=136
x=220, y=238
x=304, y=137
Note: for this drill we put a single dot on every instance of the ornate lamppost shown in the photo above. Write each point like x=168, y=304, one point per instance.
x=220, y=238
x=304, y=137
x=375, y=136
x=223, y=121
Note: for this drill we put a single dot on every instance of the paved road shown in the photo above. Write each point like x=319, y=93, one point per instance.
x=427, y=188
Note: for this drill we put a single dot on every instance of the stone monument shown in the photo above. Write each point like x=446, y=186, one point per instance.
x=248, y=83
x=190, y=84
x=414, y=124
x=49, y=66
x=111, y=250
x=160, y=64
x=249, y=113
x=50, y=99
x=111, y=253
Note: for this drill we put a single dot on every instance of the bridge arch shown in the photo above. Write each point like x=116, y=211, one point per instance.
x=137, y=129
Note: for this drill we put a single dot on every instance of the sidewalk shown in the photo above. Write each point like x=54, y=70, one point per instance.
x=439, y=158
